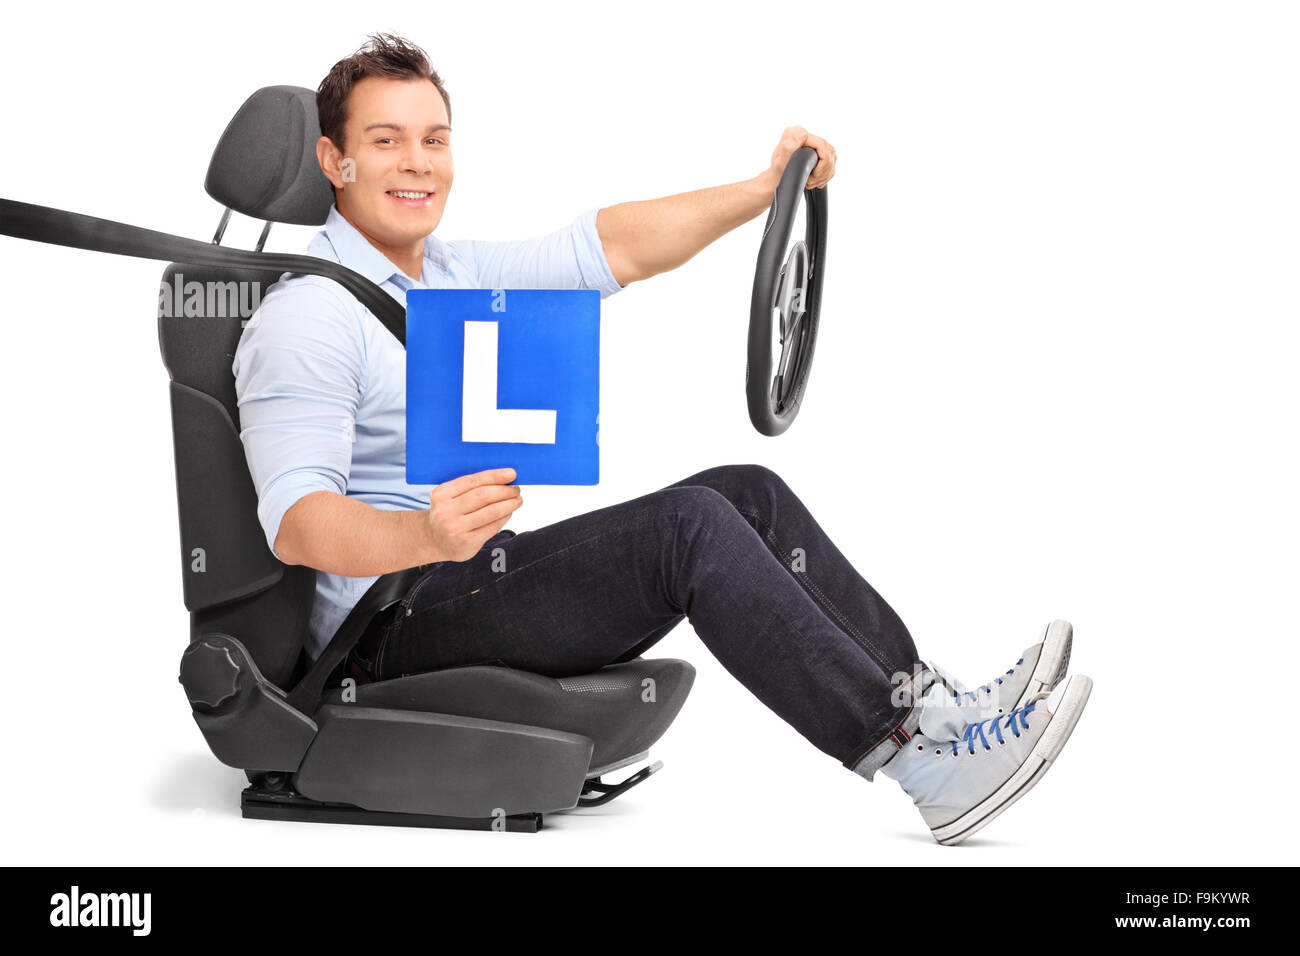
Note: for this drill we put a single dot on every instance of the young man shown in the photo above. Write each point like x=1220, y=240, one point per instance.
x=321, y=390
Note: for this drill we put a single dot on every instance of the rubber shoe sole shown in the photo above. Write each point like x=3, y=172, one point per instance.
x=1073, y=697
x=1053, y=660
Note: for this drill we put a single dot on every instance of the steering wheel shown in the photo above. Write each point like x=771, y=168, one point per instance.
x=788, y=288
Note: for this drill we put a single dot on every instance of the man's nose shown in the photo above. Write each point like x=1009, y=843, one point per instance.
x=416, y=160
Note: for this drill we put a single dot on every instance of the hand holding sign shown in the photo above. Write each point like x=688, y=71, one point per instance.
x=466, y=511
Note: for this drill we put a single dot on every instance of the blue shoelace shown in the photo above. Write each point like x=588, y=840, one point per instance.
x=973, y=694
x=1015, y=721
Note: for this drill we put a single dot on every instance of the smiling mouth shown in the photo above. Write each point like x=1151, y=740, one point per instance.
x=411, y=197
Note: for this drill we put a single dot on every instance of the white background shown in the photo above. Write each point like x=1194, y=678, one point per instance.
x=1054, y=379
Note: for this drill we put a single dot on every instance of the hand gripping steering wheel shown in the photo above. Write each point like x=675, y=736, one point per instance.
x=788, y=290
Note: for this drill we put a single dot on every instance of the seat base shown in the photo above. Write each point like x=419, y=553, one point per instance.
x=260, y=803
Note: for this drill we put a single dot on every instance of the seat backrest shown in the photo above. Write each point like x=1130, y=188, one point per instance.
x=264, y=167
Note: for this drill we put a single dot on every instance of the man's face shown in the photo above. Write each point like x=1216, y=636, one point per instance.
x=399, y=142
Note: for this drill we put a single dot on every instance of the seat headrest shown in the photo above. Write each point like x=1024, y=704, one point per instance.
x=265, y=165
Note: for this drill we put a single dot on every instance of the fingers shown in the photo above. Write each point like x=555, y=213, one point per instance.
x=795, y=137
x=499, y=511
x=483, y=498
x=479, y=537
x=484, y=495
x=488, y=530
x=825, y=167
x=791, y=139
x=493, y=476
x=472, y=509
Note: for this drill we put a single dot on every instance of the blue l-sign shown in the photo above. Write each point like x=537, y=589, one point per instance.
x=503, y=378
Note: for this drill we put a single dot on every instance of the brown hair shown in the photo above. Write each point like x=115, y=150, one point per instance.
x=381, y=55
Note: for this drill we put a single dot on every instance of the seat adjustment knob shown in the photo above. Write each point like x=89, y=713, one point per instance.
x=209, y=675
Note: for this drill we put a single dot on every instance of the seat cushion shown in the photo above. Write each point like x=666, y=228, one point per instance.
x=623, y=708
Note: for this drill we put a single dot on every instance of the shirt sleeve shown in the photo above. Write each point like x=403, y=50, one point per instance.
x=300, y=370
x=569, y=258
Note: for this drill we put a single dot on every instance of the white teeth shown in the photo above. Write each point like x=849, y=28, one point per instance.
x=408, y=195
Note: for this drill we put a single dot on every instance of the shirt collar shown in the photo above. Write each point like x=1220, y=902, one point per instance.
x=353, y=250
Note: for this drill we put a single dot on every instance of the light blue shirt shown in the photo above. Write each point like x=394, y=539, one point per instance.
x=321, y=384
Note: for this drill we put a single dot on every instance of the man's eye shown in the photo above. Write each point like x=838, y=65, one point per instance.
x=386, y=139
x=434, y=139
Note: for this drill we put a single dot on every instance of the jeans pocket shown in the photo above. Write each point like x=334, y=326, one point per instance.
x=409, y=598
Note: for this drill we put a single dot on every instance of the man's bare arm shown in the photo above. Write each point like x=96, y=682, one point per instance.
x=341, y=535
x=645, y=238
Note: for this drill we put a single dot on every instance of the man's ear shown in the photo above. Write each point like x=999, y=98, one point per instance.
x=332, y=162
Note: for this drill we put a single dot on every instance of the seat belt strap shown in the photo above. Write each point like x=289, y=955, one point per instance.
x=387, y=589
x=62, y=228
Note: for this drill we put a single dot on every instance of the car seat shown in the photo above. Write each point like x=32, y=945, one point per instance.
x=481, y=747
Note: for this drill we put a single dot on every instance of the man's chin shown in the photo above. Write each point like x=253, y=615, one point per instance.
x=409, y=226
x=394, y=227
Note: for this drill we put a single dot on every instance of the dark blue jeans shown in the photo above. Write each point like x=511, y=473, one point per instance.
x=732, y=549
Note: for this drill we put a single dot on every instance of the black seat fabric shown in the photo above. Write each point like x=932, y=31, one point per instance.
x=623, y=708
x=232, y=582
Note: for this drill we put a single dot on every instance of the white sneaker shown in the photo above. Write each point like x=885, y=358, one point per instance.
x=959, y=786
x=948, y=707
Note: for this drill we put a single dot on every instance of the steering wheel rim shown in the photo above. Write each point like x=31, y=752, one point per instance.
x=774, y=399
